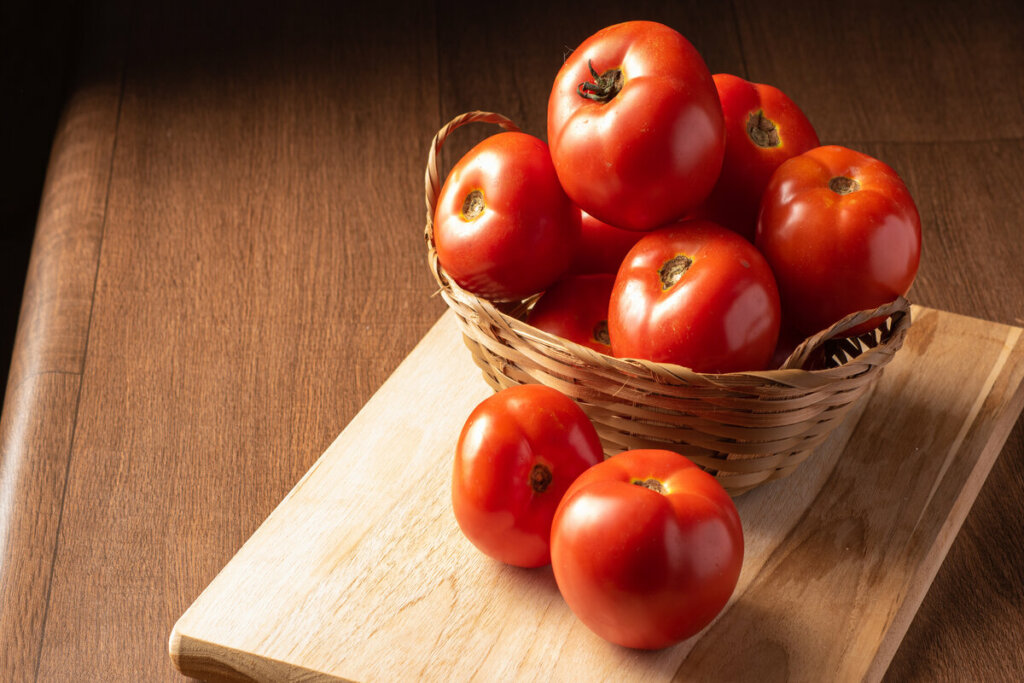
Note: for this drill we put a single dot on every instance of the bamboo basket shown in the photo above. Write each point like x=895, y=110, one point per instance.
x=745, y=428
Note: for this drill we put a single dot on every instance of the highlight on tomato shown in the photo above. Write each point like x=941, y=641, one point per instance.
x=635, y=126
x=518, y=452
x=646, y=548
x=503, y=227
x=698, y=295
x=842, y=235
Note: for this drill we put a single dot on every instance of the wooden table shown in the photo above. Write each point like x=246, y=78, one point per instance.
x=229, y=262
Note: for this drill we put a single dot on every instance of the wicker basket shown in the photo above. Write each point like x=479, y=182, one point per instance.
x=746, y=428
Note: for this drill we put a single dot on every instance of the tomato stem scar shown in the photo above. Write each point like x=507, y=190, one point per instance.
x=605, y=86
x=672, y=270
x=473, y=205
x=843, y=185
x=762, y=130
x=601, y=333
x=652, y=484
x=540, y=478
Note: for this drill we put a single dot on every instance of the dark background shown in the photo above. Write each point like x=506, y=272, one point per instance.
x=38, y=41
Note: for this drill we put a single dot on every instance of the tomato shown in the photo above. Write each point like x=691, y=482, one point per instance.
x=576, y=309
x=842, y=234
x=503, y=227
x=763, y=128
x=698, y=295
x=602, y=246
x=635, y=126
x=646, y=548
x=518, y=452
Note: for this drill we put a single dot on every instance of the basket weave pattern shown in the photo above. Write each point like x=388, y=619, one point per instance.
x=746, y=428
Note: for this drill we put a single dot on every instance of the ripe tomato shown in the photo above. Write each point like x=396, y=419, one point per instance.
x=517, y=454
x=576, y=309
x=842, y=234
x=635, y=126
x=602, y=247
x=763, y=128
x=646, y=548
x=503, y=227
x=698, y=295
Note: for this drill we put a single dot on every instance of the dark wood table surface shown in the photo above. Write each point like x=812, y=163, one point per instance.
x=228, y=262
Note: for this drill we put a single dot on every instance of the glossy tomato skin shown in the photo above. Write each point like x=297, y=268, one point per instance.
x=517, y=454
x=643, y=568
x=576, y=308
x=721, y=315
x=763, y=128
x=517, y=233
x=842, y=234
x=653, y=150
x=602, y=247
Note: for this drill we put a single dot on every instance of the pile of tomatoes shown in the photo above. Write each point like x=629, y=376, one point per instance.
x=646, y=547
x=677, y=217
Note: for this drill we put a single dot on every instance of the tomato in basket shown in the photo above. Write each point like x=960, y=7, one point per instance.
x=503, y=227
x=763, y=128
x=646, y=548
x=842, y=235
x=698, y=295
x=635, y=126
x=602, y=247
x=576, y=308
x=518, y=452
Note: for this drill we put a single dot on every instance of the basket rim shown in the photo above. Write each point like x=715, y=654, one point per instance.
x=790, y=374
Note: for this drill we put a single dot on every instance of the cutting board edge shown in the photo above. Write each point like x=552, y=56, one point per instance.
x=929, y=568
x=201, y=659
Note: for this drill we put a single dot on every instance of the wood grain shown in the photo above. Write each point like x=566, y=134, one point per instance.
x=261, y=274
x=882, y=71
x=42, y=394
x=362, y=573
x=234, y=331
x=966, y=193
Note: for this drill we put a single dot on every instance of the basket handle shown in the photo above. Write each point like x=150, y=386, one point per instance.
x=432, y=179
x=898, y=310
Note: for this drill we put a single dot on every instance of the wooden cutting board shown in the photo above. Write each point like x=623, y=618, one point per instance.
x=362, y=574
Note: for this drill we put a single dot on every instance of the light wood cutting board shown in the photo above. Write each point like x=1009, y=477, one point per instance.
x=362, y=574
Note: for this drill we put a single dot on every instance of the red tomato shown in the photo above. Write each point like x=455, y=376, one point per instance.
x=698, y=295
x=646, y=548
x=635, y=126
x=517, y=454
x=763, y=128
x=842, y=234
x=602, y=247
x=576, y=309
x=503, y=227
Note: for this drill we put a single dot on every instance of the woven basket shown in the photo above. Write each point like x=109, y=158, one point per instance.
x=745, y=428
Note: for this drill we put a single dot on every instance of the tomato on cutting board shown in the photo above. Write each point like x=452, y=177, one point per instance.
x=517, y=454
x=646, y=548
